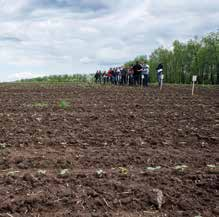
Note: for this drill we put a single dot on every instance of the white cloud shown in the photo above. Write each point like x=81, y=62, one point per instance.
x=86, y=60
x=110, y=55
x=11, y=7
x=81, y=36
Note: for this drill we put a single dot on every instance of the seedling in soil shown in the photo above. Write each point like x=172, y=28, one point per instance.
x=153, y=168
x=123, y=170
x=41, y=172
x=181, y=167
x=12, y=173
x=100, y=173
x=64, y=172
x=213, y=168
x=3, y=146
x=64, y=104
x=40, y=105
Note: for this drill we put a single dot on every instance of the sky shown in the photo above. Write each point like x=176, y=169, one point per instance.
x=47, y=37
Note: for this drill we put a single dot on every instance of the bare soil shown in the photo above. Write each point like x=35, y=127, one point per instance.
x=109, y=151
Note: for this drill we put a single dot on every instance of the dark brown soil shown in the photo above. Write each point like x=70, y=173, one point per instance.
x=90, y=157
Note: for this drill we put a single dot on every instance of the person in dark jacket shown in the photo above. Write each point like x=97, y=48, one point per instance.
x=96, y=76
x=137, y=73
x=124, y=74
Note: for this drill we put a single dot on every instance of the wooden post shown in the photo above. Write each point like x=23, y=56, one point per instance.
x=194, y=79
x=161, y=82
x=142, y=80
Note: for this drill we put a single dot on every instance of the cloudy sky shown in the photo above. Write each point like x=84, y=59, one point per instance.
x=42, y=37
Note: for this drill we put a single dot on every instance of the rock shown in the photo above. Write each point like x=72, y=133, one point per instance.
x=95, y=214
x=126, y=200
x=216, y=210
x=157, y=198
x=28, y=177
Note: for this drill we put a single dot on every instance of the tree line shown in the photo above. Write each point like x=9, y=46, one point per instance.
x=75, y=78
x=196, y=57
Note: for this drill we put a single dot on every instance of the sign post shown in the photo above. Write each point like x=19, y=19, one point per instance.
x=194, y=79
x=161, y=81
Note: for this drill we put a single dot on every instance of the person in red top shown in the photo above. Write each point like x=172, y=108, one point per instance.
x=109, y=75
x=130, y=76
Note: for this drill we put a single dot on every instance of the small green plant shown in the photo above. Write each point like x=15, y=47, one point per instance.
x=40, y=105
x=64, y=104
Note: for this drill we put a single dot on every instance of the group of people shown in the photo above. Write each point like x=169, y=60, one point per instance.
x=138, y=74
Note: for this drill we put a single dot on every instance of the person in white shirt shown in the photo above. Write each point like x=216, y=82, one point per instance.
x=159, y=73
x=145, y=74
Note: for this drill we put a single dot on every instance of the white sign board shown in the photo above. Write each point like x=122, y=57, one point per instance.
x=194, y=78
x=162, y=77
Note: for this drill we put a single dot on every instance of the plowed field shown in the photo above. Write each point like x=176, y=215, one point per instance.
x=108, y=151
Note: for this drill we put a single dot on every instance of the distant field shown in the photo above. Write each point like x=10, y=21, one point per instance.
x=92, y=150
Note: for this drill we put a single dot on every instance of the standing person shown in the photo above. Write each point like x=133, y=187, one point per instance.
x=159, y=73
x=137, y=73
x=130, y=76
x=145, y=74
x=117, y=75
x=100, y=77
x=96, y=76
x=104, y=77
x=124, y=73
x=109, y=75
x=113, y=80
x=120, y=75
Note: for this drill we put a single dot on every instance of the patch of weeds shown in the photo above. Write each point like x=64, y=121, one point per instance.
x=40, y=104
x=64, y=104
